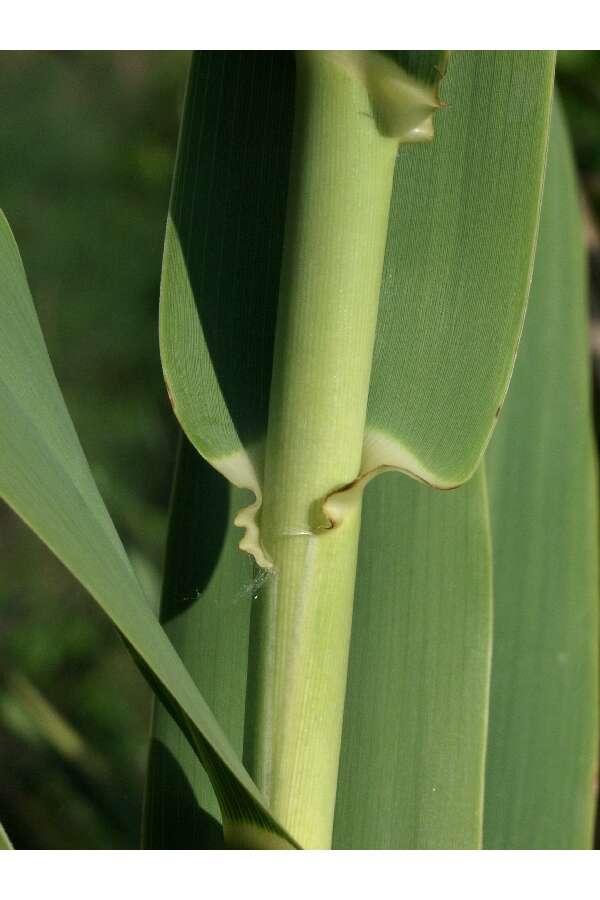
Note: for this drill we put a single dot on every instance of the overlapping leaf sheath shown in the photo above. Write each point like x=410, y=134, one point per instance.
x=455, y=279
x=418, y=680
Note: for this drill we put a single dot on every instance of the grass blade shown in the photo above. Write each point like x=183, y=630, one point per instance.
x=206, y=249
x=461, y=242
x=413, y=747
x=5, y=843
x=223, y=255
x=205, y=610
x=45, y=478
x=542, y=760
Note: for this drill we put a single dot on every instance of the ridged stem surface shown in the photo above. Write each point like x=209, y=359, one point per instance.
x=341, y=181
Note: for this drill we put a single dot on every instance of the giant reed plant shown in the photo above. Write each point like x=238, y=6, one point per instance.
x=406, y=663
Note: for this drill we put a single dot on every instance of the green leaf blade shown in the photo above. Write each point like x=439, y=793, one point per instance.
x=205, y=610
x=223, y=247
x=543, y=483
x=461, y=240
x=461, y=303
x=413, y=748
x=45, y=478
x=5, y=842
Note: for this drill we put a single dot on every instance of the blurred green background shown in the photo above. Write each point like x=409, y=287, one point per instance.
x=87, y=147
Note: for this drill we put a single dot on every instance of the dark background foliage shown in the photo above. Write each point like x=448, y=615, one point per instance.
x=87, y=147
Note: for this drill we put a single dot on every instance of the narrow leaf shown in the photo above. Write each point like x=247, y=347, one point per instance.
x=45, y=477
x=207, y=595
x=5, y=843
x=543, y=752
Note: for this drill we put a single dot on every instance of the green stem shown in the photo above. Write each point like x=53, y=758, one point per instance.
x=340, y=189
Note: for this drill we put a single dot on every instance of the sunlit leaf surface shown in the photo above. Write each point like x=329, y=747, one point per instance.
x=542, y=764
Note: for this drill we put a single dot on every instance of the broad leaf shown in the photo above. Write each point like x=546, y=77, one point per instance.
x=543, y=748
x=44, y=476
